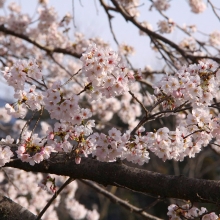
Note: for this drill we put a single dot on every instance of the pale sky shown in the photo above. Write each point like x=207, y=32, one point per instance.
x=92, y=21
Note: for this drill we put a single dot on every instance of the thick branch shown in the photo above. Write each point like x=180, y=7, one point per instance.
x=162, y=186
x=13, y=211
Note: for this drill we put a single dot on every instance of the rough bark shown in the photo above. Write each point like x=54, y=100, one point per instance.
x=162, y=186
x=10, y=210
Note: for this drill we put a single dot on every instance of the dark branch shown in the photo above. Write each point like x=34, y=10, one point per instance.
x=159, y=185
x=5, y=30
x=121, y=202
x=13, y=211
x=154, y=35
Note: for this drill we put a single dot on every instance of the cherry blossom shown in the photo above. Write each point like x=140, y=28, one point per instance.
x=161, y=5
x=214, y=38
x=178, y=212
x=85, y=101
x=197, y=6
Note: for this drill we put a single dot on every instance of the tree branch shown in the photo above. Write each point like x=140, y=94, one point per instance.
x=121, y=202
x=157, y=36
x=162, y=186
x=5, y=30
x=53, y=198
x=13, y=211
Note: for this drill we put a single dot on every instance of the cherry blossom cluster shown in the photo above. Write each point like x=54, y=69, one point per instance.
x=47, y=17
x=161, y=5
x=64, y=108
x=126, y=49
x=73, y=127
x=190, y=136
x=28, y=97
x=106, y=72
x=196, y=83
x=62, y=138
x=33, y=149
x=190, y=28
x=16, y=20
x=28, y=189
x=214, y=38
x=189, y=44
x=197, y=6
x=131, y=7
x=178, y=212
x=166, y=27
x=70, y=135
x=68, y=138
x=184, y=141
x=117, y=146
x=22, y=71
x=5, y=152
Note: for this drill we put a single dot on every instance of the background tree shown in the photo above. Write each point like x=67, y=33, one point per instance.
x=85, y=112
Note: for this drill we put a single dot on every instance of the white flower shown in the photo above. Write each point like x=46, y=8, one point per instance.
x=197, y=6
x=115, y=134
x=214, y=38
x=8, y=140
x=5, y=155
x=166, y=26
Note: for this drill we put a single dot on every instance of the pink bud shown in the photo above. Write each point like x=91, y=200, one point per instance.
x=77, y=160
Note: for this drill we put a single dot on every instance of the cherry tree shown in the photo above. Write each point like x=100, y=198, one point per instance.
x=85, y=114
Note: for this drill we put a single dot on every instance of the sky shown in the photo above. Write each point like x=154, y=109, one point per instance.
x=91, y=20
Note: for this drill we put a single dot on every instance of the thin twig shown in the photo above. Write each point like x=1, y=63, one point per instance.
x=73, y=12
x=109, y=21
x=120, y=201
x=42, y=84
x=87, y=87
x=54, y=197
x=40, y=115
x=142, y=105
x=158, y=37
x=213, y=9
x=67, y=71
x=71, y=77
x=27, y=122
